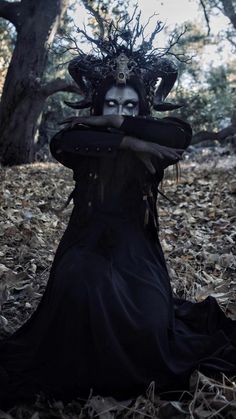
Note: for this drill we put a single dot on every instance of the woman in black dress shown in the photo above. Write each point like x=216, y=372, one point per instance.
x=107, y=320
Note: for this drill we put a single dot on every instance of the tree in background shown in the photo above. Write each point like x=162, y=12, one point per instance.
x=30, y=109
x=228, y=8
x=210, y=108
x=32, y=76
x=207, y=93
x=66, y=44
x=24, y=90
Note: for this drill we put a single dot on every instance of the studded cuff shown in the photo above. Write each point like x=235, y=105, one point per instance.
x=86, y=142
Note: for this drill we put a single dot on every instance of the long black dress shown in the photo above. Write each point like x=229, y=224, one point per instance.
x=107, y=320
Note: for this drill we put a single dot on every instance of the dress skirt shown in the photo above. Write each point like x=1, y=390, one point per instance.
x=108, y=323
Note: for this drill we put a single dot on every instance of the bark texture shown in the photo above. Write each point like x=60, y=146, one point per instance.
x=23, y=94
x=229, y=7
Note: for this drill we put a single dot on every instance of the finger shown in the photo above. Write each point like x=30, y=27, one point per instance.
x=158, y=154
x=163, y=151
x=148, y=164
x=150, y=167
x=162, y=147
x=178, y=153
x=163, y=154
x=173, y=156
x=179, y=150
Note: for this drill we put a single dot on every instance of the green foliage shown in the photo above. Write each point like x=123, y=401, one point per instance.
x=208, y=93
x=211, y=106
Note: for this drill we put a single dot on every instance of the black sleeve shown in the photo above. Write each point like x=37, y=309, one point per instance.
x=68, y=144
x=169, y=132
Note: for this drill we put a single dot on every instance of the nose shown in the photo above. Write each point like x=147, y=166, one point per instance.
x=120, y=109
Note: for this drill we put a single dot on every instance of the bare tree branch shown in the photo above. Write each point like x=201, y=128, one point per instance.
x=230, y=36
x=206, y=17
x=226, y=7
x=133, y=14
x=174, y=39
x=209, y=135
x=11, y=12
x=58, y=85
x=97, y=16
x=158, y=28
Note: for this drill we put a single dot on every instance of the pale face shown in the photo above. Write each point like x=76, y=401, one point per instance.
x=121, y=100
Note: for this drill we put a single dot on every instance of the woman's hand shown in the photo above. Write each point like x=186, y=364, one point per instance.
x=111, y=121
x=144, y=150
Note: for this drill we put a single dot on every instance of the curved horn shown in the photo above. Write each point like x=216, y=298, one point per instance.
x=166, y=106
x=84, y=103
x=168, y=72
x=78, y=67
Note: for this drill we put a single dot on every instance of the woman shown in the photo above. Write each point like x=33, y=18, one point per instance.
x=107, y=321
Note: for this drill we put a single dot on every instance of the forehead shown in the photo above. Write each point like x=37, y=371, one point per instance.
x=122, y=92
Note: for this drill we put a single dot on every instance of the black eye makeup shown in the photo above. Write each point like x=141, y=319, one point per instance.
x=128, y=103
x=110, y=103
x=131, y=104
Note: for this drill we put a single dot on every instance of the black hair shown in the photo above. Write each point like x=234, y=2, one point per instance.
x=99, y=96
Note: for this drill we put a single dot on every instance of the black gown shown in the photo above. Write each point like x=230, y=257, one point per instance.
x=107, y=320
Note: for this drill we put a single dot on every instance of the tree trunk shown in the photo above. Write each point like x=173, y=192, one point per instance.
x=230, y=11
x=18, y=134
x=22, y=98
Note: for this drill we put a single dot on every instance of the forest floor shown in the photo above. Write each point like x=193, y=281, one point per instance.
x=198, y=235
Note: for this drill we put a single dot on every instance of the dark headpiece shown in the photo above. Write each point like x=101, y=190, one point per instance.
x=115, y=57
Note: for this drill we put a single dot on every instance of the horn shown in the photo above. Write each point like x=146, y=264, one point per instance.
x=78, y=68
x=168, y=72
x=166, y=106
x=84, y=103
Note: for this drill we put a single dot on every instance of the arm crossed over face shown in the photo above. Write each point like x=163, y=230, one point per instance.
x=160, y=137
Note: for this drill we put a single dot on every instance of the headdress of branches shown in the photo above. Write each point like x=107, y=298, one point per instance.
x=120, y=51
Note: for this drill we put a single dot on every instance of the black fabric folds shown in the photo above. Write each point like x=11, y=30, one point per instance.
x=107, y=320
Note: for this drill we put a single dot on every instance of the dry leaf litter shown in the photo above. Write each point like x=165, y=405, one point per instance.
x=198, y=235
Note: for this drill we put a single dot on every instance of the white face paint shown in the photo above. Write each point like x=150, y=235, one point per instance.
x=121, y=100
